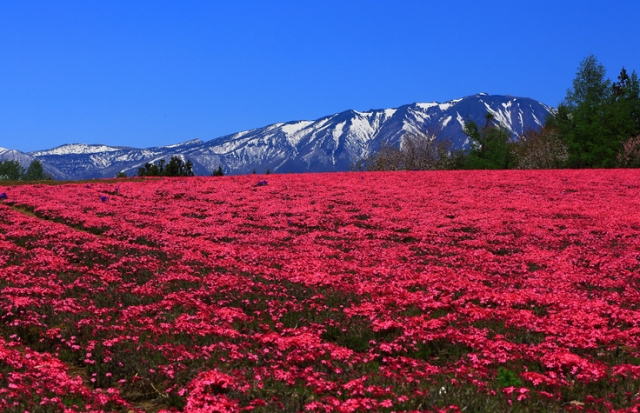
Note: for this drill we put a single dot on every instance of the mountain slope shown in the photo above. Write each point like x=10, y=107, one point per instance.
x=25, y=160
x=330, y=143
x=81, y=161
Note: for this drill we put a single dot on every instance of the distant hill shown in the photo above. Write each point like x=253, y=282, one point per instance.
x=330, y=143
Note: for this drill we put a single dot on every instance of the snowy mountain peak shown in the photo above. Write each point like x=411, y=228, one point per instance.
x=75, y=149
x=187, y=143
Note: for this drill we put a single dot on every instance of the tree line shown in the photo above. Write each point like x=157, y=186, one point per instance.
x=14, y=171
x=597, y=125
x=175, y=167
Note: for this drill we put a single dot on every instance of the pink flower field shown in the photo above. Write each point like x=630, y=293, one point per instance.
x=448, y=291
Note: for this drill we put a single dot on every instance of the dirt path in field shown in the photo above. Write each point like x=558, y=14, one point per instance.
x=23, y=211
x=29, y=213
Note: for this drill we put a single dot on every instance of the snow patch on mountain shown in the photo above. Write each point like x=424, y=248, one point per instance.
x=426, y=106
x=389, y=113
x=460, y=120
x=295, y=131
x=290, y=129
x=187, y=143
x=337, y=132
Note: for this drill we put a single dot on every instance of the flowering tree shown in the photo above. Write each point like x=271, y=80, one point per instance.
x=418, y=151
x=540, y=149
x=629, y=156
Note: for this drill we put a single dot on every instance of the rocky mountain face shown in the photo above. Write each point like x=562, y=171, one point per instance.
x=330, y=143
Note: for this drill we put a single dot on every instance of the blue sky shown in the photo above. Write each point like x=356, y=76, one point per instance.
x=148, y=73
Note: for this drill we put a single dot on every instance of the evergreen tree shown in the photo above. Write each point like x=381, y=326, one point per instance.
x=160, y=167
x=188, y=168
x=218, y=171
x=11, y=170
x=623, y=117
x=149, y=169
x=35, y=172
x=174, y=167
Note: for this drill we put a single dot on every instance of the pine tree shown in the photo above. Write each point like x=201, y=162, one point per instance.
x=218, y=171
x=597, y=117
x=11, y=170
x=623, y=117
x=35, y=172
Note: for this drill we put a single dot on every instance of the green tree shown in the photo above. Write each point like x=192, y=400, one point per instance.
x=149, y=169
x=188, y=168
x=581, y=116
x=178, y=167
x=35, y=172
x=174, y=167
x=623, y=117
x=490, y=145
x=597, y=117
x=218, y=171
x=11, y=170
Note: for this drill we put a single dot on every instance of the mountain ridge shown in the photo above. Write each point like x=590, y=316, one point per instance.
x=330, y=143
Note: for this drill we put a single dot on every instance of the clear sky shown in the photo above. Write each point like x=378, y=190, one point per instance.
x=149, y=73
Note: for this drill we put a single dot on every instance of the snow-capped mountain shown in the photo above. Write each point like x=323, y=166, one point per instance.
x=82, y=161
x=330, y=143
x=25, y=160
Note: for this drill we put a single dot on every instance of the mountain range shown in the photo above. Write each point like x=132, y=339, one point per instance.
x=327, y=144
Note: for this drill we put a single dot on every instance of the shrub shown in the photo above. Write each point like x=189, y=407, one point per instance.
x=540, y=149
x=629, y=155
